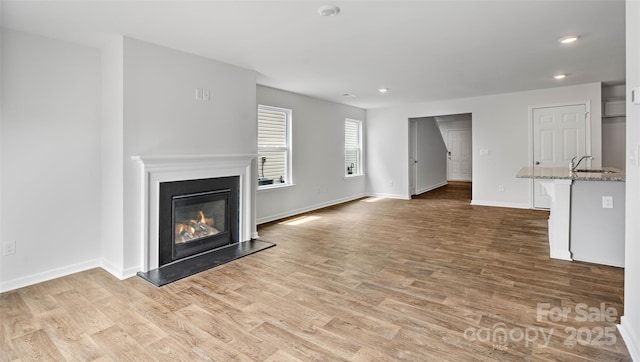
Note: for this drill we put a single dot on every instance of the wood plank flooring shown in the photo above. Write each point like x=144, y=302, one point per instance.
x=428, y=279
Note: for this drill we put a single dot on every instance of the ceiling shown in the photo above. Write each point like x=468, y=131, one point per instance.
x=420, y=50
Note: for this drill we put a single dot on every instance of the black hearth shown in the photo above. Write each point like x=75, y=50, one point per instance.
x=196, y=216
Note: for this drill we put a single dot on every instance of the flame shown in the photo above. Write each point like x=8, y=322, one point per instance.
x=202, y=219
x=184, y=228
x=194, y=229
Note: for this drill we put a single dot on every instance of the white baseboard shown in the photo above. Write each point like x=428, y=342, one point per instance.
x=131, y=272
x=282, y=215
x=614, y=263
x=48, y=275
x=560, y=254
x=389, y=196
x=630, y=337
x=500, y=204
x=117, y=271
x=433, y=187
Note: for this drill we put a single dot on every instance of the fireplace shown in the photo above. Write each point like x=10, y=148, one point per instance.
x=193, y=203
x=197, y=216
x=159, y=170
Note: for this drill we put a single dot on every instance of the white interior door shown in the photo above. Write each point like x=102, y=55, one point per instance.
x=459, y=156
x=413, y=152
x=559, y=134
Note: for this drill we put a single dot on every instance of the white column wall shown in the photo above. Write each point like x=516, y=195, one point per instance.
x=112, y=160
x=630, y=322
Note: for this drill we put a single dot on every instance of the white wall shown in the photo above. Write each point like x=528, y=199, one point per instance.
x=111, y=131
x=318, y=156
x=431, y=169
x=500, y=124
x=630, y=322
x=452, y=122
x=162, y=117
x=50, y=146
x=614, y=129
x=613, y=142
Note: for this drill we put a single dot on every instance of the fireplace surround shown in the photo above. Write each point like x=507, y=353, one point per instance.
x=160, y=170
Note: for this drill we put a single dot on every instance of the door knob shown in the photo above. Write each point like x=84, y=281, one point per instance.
x=537, y=162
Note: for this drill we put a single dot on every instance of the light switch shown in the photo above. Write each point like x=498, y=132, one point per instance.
x=484, y=152
x=607, y=202
x=635, y=96
x=634, y=155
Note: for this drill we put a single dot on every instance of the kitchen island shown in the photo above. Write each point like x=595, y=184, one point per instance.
x=586, y=220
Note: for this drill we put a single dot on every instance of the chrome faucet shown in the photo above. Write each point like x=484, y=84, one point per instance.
x=573, y=165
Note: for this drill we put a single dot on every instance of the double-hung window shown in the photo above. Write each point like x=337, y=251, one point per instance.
x=352, y=148
x=274, y=146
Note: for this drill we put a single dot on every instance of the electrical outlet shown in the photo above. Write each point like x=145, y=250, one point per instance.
x=500, y=188
x=607, y=202
x=9, y=247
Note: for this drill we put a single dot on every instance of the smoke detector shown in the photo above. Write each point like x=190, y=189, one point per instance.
x=328, y=10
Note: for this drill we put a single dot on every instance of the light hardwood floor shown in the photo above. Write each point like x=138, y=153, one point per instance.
x=430, y=279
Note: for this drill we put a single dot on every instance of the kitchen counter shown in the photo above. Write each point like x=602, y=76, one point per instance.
x=586, y=219
x=563, y=173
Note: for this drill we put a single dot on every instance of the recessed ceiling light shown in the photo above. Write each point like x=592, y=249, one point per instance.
x=328, y=10
x=383, y=90
x=568, y=39
x=559, y=76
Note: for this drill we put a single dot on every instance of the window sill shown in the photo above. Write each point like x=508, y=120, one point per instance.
x=273, y=187
x=353, y=177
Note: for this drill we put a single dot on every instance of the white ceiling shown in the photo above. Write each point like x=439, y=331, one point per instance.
x=420, y=50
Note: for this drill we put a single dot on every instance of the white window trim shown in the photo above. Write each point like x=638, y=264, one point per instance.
x=361, y=169
x=274, y=187
x=289, y=149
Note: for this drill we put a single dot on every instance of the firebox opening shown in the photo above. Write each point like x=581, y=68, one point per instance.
x=197, y=216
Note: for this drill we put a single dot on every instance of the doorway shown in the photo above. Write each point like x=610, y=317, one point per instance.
x=559, y=134
x=440, y=150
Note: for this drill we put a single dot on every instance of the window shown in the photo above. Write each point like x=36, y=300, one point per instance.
x=274, y=146
x=352, y=147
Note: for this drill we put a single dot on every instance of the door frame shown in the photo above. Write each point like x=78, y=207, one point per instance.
x=587, y=135
x=413, y=152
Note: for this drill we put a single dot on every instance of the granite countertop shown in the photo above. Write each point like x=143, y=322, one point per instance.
x=563, y=173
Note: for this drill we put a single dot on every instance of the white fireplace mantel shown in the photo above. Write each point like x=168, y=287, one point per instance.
x=156, y=169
